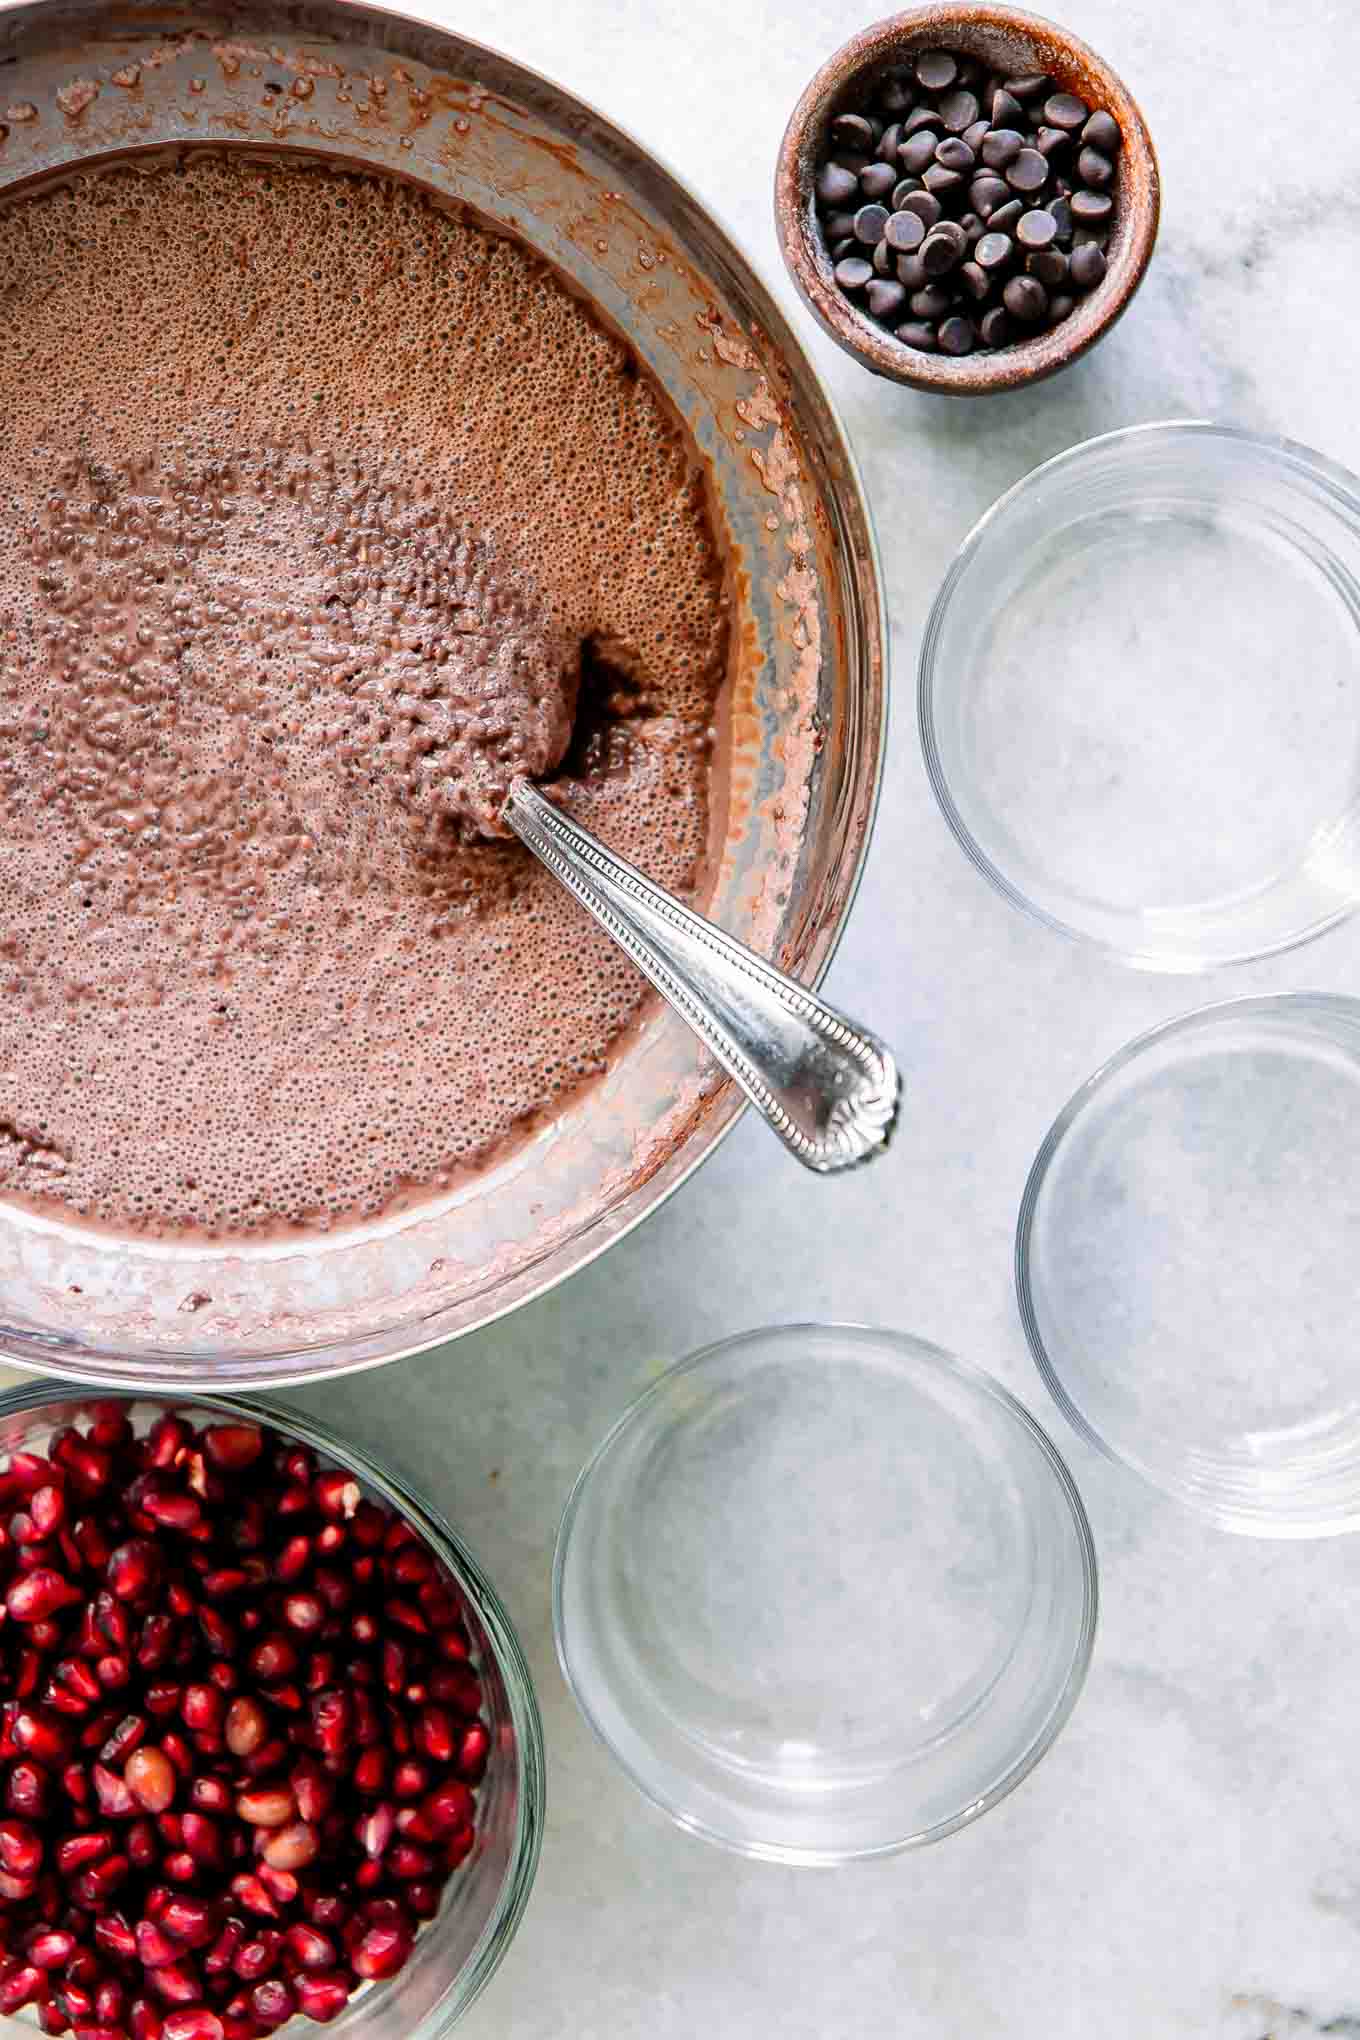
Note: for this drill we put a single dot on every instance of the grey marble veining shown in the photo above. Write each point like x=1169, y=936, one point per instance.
x=1186, y=1862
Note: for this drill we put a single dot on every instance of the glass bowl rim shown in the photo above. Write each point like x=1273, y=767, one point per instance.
x=517, y=1882
x=1242, y=1518
x=1292, y=457
x=979, y=1382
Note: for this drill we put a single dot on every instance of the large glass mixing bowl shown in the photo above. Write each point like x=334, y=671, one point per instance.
x=807, y=686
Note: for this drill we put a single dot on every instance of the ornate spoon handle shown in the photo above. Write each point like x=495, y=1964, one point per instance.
x=829, y=1090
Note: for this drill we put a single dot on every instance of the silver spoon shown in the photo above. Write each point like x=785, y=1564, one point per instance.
x=829, y=1090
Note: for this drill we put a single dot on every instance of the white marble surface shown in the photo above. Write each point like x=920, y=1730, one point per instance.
x=1186, y=1862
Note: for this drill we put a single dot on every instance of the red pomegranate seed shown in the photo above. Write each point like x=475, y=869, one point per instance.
x=267, y=1758
x=224, y=1676
x=246, y=1726
x=273, y=1659
x=448, y=1806
x=330, y=1539
x=253, y=1896
x=155, y=1642
x=293, y=1560
x=131, y=1731
x=197, y=2024
x=267, y=1808
x=144, y=2021
x=27, y=1790
x=93, y=1886
x=113, y=1936
x=407, y=1616
x=473, y=1748
x=112, y=1673
x=405, y=1861
x=179, y=1600
x=218, y=1633
x=109, y=2000
x=163, y=1697
x=202, y=1839
x=322, y=1996
x=459, y=1846
x=452, y=1643
x=410, y=1778
x=155, y=1949
x=380, y=1952
x=133, y=1572
x=331, y=1720
x=114, y=1796
x=459, y=1687
x=79, y=1679
x=178, y=1752
x=375, y=1831
x=177, y=1983
x=142, y=1845
x=370, y=1773
x=47, y=1507
x=413, y=1826
x=109, y=1425
x=168, y=1437
x=77, y=1852
x=151, y=1779
x=281, y=1885
x=233, y=1447
x=22, y=1987
x=304, y=1611
x=62, y=1701
x=222, y=1954
x=309, y=1947
x=36, y=1595
x=258, y=1957
x=337, y=1494
x=422, y=1899
x=321, y=1670
x=89, y=1466
x=202, y=1708
x=210, y=1795
x=50, y=1948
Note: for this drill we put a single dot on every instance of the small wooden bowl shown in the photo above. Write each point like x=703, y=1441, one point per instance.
x=1014, y=43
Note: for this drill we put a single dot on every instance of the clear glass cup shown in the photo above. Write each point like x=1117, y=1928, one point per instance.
x=455, y=1954
x=1186, y=1262
x=1139, y=695
x=825, y=1592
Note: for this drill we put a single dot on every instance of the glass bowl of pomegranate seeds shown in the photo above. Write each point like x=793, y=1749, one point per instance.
x=269, y=1751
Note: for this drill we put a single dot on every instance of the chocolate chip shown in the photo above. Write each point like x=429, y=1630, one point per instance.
x=977, y=134
x=853, y=272
x=1062, y=213
x=1025, y=299
x=882, y=259
x=1065, y=110
x=975, y=281
x=1036, y=229
x=1048, y=264
x=839, y=225
x=943, y=249
x=995, y=328
x=918, y=335
x=888, y=143
x=1006, y=217
x=902, y=191
x=1029, y=87
x=1102, y=132
x=915, y=123
x=925, y=205
x=1006, y=109
x=894, y=95
x=905, y=232
x=885, y=300
x=1001, y=147
x=1051, y=142
x=1095, y=169
x=994, y=251
x=936, y=70
x=833, y=185
x=1092, y=208
x=987, y=193
x=918, y=153
x=941, y=181
x=957, y=336
x=911, y=271
x=1086, y=266
x=876, y=180
x=958, y=110
x=1029, y=171
x=846, y=245
x=852, y=131
x=956, y=155
x=1060, y=308
x=870, y=222
x=932, y=302
x=972, y=226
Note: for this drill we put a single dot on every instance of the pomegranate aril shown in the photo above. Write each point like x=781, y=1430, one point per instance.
x=210, y=1795
x=202, y=1708
x=177, y=1983
x=89, y=1467
x=459, y=1846
x=473, y=1748
x=191, y=1921
x=114, y=1795
x=133, y=1572
x=180, y=1867
x=79, y=1679
x=113, y=1936
x=267, y=1758
x=218, y=1633
x=374, y=1831
x=110, y=1426
x=368, y=1727
x=253, y=1896
x=151, y=1779
x=50, y=1948
x=404, y=1860
x=22, y=1987
x=28, y=1790
x=457, y=1686
x=322, y=1996
x=21, y=1849
x=337, y=1494
x=370, y=1773
x=155, y=1949
x=34, y=1596
x=200, y=2023
x=178, y=1752
x=410, y=1778
x=281, y=1885
x=448, y=1806
x=422, y=1899
x=93, y=1886
x=129, y=1732
x=163, y=1698
x=168, y=1437
x=309, y=1947
x=202, y=1839
x=381, y=1951
x=144, y=2021
x=407, y=1616
x=77, y=1852
x=258, y=1957
x=452, y=1644
x=47, y=1509
x=233, y=1447
x=304, y=1611
x=436, y=1734
x=142, y=1844
x=246, y=1726
x=266, y=1808
x=275, y=1658
x=292, y=1847
x=63, y=1701
x=52, y=2019
x=155, y=1642
x=221, y=1956
x=112, y=1672
x=16, y=1889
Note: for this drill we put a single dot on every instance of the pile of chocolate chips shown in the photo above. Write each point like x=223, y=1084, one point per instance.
x=964, y=210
